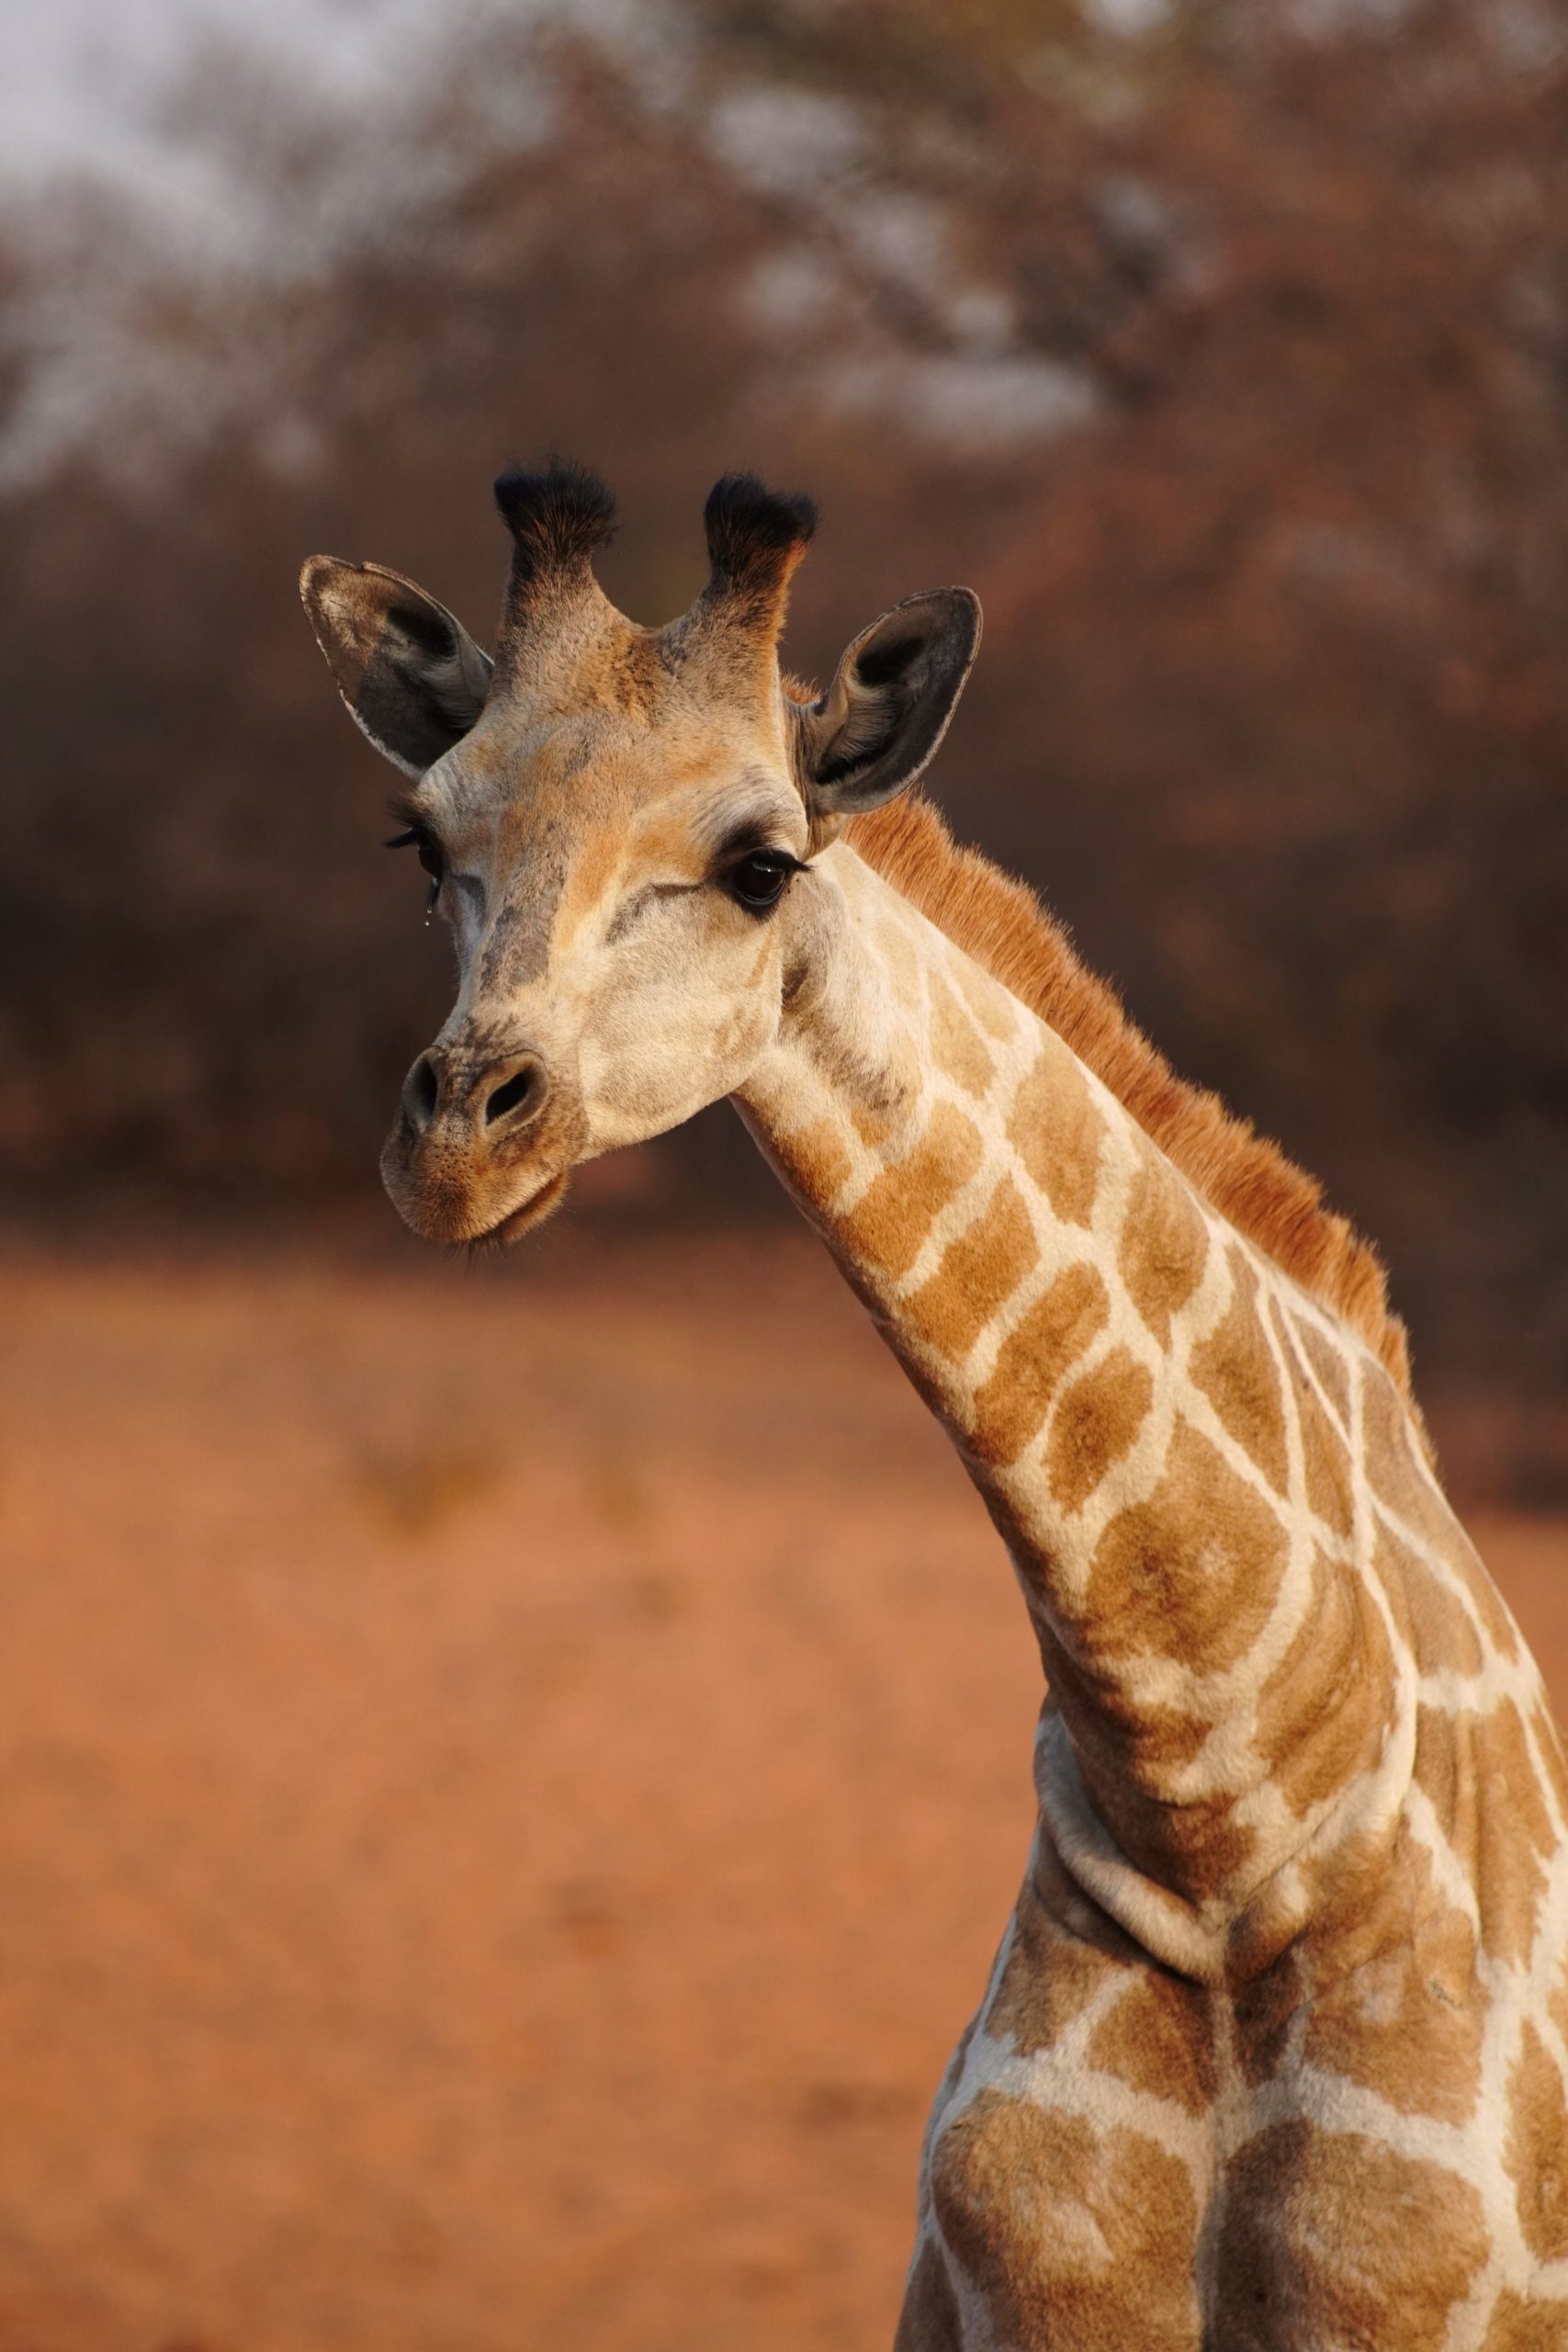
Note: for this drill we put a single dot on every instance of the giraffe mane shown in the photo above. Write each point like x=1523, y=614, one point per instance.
x=1247, y=1178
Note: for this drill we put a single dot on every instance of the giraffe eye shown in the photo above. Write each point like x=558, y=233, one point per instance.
x=431, y=856
x=758, y=880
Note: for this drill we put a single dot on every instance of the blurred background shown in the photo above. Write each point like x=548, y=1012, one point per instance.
x=513, y=1777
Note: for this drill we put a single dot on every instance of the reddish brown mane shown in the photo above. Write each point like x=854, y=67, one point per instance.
x=1249, y=1179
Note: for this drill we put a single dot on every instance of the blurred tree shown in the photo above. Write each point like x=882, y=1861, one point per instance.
x=1223, y=347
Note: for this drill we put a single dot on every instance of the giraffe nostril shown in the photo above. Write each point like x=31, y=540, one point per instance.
x=511, y=1096
x=421, y=1094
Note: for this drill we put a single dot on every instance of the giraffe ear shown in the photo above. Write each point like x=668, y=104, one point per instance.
x=889, y=706
x=408, y=669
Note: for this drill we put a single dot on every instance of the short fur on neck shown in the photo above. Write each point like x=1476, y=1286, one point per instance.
x=1240, y=1173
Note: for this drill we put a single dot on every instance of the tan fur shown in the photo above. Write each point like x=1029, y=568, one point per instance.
x=1249, y=1179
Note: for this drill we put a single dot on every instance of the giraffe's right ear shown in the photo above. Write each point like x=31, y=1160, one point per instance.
x=408, y=669
x=888, y=708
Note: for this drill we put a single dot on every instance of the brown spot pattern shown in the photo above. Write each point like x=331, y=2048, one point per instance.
x=815, y=1160
x=1536, y=2151
x=1407, y=2022
x=1010, y=1407
x=1192, y=1573
x=1114, y=1733
x=1548, y=1742
x=1463, y=1559
x=1265, y=2009
x=1521, y=2326
x=1130, y=1754
x=1196, y=1848
x=1158, y=2038
x=872, y=1122
x=1325, y=1457
x=1095, y=1424
x=1050, y=1978
x=1247, y=1180
x=1330, y=1491
x=1434, y=1621
x=1078, y=2238
x=1333, y=1372
x=978, y=1272
x=982, y=997
x=1478, y=1772
x=1234, y=1368
x=1331, y=2238
x=1557, y=1999
x=1057, y=1133
x=959, y=1048
x=1390, y=1458
x=886, y=1227
x=1163, y=1246
x=1324, y=1712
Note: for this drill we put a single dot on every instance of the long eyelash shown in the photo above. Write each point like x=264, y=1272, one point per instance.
x=409, y=819
x=417, y=834
x=755, y=845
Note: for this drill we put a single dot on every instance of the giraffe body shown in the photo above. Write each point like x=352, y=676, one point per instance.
x=1273, y=2055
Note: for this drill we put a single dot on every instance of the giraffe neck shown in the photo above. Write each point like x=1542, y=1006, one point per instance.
x=1125, y=1378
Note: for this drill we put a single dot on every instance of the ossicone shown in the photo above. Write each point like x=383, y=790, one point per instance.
x=557, y=517
x=755, y=538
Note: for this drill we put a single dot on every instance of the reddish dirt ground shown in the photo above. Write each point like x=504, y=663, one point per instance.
x=512, y=1786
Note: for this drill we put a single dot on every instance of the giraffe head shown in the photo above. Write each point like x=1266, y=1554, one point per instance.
x=617, y=823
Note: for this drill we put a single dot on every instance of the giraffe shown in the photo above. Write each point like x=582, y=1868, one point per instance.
x=1273, y=2053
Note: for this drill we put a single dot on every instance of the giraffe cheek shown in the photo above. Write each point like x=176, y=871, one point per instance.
x=655, y=1058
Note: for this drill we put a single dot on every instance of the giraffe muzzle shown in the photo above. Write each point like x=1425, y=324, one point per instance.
x=470, y=1147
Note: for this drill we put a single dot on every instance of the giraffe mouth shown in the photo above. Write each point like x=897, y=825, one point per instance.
x=522, y=1219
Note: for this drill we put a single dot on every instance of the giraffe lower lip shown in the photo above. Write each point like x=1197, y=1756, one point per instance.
x=531, y=1212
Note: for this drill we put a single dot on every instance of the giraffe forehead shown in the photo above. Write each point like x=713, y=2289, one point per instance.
x=701, y=771
x=560, y=856
x=608, y=827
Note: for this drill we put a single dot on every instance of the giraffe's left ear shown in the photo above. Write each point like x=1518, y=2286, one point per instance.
x=889, y=706
x=412, y=676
